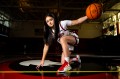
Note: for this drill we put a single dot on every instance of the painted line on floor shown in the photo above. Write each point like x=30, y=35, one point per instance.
x=54, y=71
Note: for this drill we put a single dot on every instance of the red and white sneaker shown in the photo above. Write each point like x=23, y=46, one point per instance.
x=78, y=58
x=65, y=67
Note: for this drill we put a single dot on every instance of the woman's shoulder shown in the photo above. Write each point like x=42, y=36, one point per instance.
x=65, y=22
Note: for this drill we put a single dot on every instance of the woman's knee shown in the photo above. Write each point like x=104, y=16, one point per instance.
x=63, y=39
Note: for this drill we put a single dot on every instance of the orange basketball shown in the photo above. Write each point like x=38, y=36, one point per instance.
x=94, y=11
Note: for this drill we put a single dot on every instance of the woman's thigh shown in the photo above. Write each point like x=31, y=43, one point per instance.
x=68, y=39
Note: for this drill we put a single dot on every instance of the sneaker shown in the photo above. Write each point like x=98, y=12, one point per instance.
x=65, y=67
x=78, y=58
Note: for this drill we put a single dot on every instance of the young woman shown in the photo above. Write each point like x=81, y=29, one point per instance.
x=57, y=30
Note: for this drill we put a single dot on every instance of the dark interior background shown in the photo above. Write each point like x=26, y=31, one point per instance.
x=36, y=9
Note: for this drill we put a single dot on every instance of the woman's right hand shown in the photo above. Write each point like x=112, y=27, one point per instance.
x=40, y=65
x=45, y=50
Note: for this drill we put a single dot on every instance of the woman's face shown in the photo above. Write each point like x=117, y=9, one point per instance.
x=50, y=21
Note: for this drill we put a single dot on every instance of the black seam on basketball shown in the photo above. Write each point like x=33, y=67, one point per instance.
x=97, y=10
x=90, y=11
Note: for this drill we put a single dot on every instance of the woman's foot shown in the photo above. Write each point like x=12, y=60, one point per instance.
x=65, y=67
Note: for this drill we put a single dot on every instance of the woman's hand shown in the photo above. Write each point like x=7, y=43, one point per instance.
x=45, y=50
x=40, y=65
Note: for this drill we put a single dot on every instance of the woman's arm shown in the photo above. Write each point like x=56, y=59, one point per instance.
x=45, y=50
x=79, y=20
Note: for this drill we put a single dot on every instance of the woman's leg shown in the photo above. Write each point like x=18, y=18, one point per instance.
x=63, y=58
x=65, y=40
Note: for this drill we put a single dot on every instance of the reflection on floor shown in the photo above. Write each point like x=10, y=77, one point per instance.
x=26, y=68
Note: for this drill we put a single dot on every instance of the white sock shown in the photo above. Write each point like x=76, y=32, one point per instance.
x=67, y=59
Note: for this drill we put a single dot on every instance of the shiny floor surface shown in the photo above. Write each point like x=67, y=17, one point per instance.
x=24, y=68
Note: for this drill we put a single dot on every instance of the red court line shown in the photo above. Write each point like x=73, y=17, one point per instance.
x=5, y=67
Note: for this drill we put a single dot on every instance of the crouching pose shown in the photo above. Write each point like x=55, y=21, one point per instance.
x=57, y=30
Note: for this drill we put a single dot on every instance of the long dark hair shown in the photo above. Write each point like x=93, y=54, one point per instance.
x=48, y=37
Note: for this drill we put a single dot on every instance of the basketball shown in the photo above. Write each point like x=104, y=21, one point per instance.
x=94, y=11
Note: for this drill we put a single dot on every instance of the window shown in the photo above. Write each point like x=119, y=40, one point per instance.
x=4, y=19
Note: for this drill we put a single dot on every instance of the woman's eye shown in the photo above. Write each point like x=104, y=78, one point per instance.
x=47, y=21
x=50, y=19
